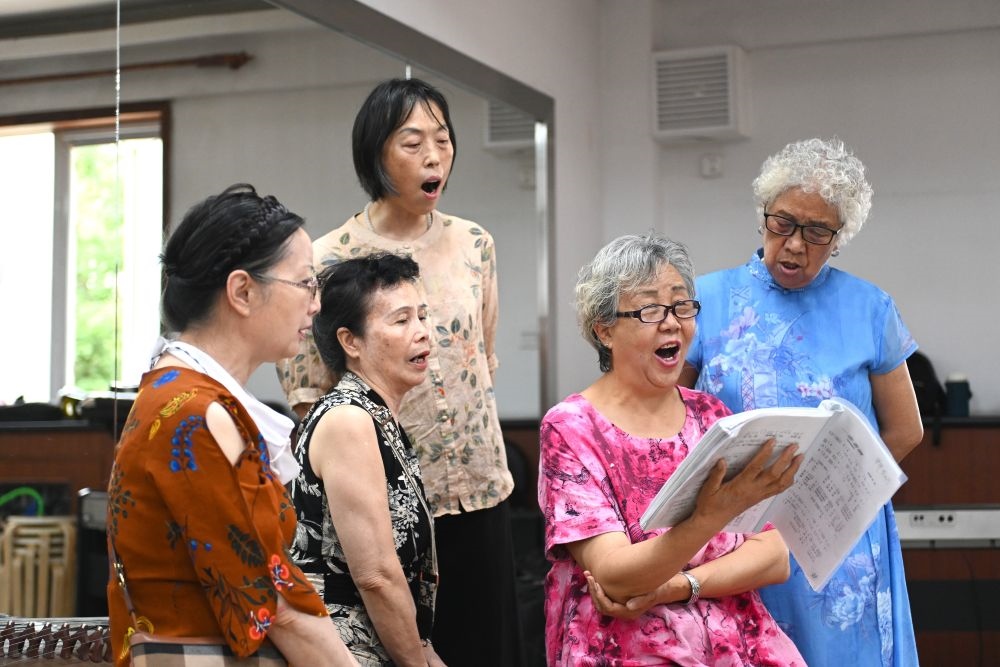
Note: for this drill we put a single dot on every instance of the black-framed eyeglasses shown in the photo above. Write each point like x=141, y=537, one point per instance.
x=311, y=283
x=655, y=313
x=782, y=226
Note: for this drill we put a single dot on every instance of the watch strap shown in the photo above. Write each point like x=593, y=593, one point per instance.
x=695, y=588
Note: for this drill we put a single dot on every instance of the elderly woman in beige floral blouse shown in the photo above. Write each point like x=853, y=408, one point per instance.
x=403, y=145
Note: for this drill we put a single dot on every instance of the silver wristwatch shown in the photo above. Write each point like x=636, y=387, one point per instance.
x=695, y=588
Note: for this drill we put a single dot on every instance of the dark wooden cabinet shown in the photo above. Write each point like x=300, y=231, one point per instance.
x=522, y=435
x=960, y=467
x=954, y=591
x=71, y=454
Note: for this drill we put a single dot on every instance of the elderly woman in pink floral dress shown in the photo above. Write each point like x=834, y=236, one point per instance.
x=618, y=595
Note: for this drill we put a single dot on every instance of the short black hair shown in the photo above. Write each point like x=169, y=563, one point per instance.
x=346, y=297
x=236, y=229
x=387, y=107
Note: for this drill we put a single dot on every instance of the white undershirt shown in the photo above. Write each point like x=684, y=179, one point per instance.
x=275, y=427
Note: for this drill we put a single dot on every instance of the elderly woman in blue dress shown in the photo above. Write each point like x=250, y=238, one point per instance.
x=788, y=329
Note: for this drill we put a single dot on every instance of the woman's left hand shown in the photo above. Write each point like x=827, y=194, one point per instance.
x=722, y=500
x=631, y=609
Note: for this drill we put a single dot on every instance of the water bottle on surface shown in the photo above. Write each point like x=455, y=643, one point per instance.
x=956, y=388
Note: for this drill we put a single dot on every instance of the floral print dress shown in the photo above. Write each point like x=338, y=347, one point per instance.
x=760, y=345
x=595, y=479
x=451, y=417
x=317, y=549
x=203, y=542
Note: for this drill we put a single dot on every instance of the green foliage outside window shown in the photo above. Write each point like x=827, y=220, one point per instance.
x=98, y=224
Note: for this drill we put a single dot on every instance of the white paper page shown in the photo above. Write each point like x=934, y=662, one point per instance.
x=747, y=431
x=850, y=476
x=792, y=427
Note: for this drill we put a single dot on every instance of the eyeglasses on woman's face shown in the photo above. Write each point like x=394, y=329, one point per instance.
x=785, y=226
x=311, y=283
x=655, y=313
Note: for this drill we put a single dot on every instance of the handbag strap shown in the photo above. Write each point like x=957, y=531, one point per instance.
x=391, y=432
x=140, y=624
x=356, y=388
x=120, y=575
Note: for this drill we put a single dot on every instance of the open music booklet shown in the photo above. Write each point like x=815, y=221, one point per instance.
x=847, y=474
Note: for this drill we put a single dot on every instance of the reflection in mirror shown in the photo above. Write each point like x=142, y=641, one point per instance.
x=280, y=121
x=261, y=96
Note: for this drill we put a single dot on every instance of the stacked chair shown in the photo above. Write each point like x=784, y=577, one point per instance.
x=38, y=566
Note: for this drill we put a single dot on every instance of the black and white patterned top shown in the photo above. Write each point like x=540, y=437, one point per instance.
x=317, y=549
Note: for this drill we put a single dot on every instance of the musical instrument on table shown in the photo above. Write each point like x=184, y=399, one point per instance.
x=55, y=641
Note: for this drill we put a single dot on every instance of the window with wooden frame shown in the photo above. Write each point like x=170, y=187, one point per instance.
x=82, y=228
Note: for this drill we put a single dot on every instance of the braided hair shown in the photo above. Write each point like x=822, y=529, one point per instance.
x=237, y=229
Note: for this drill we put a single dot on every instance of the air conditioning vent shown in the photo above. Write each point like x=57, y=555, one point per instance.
x=698, y=94
x=508, y=129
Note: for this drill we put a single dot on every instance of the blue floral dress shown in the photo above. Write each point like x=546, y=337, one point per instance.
x=761, y=345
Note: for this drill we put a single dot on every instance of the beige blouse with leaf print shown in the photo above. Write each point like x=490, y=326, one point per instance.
x=451, y=418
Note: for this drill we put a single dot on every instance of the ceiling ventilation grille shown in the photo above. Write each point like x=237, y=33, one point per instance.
x=698, y=94
x=507, y=128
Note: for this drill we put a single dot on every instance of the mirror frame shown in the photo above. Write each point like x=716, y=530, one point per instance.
x=359, y=21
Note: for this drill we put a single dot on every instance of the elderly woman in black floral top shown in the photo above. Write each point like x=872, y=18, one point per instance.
x=365, y=535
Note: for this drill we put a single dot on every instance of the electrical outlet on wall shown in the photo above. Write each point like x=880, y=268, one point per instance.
x=711, y=165
x=933, y=519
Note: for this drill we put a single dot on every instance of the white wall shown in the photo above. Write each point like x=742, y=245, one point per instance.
x=553, y=46
x=629, y=158
x=920, y=111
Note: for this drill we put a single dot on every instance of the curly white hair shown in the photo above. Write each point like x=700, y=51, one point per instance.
x=825, y=167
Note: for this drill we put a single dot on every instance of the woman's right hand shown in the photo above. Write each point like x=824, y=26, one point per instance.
x=675, y=589
x=722, y=500
x=433, y=659
x=630, y=610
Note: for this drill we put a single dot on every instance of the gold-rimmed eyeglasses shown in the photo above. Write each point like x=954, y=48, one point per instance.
x=311, y=283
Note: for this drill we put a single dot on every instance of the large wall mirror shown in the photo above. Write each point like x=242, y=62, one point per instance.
x=258, y=92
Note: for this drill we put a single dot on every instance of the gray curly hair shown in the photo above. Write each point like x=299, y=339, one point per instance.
x=622, y=267
x=825, y=167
